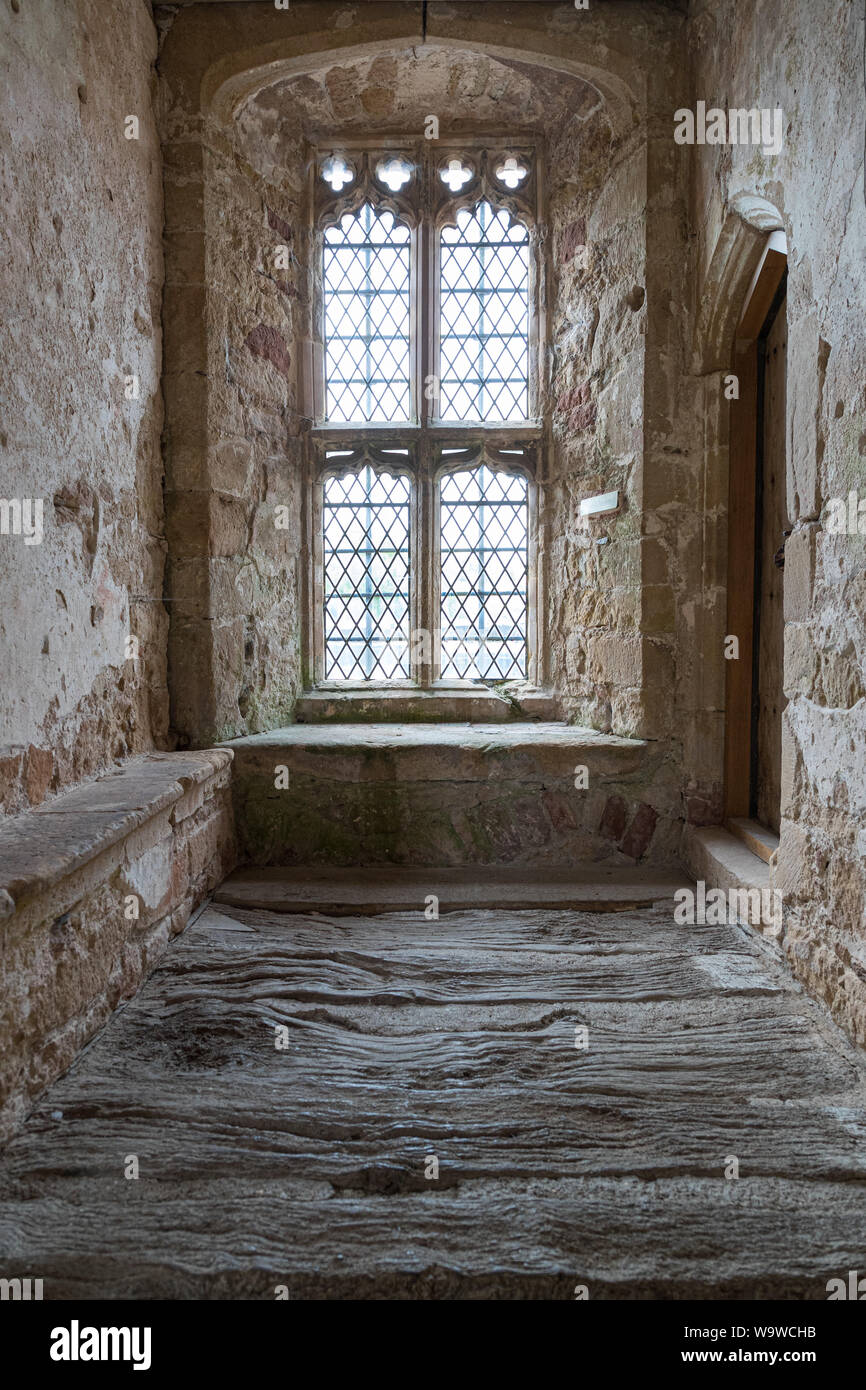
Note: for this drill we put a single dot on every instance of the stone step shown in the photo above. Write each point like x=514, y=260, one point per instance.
x=452, y=794
x=757, y=838
x=338, y=892
x=722, y=860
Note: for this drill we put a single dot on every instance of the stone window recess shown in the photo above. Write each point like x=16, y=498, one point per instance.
x=423, y=394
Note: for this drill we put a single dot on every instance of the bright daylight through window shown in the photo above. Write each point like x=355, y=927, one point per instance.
x=428, y=281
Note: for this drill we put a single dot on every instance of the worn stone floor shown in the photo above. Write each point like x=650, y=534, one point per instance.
x=310, y=1166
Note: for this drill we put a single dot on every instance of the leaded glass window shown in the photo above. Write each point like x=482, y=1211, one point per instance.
x=425, y=442
x=484, y=324
x=366, y=292
x=483, y=546
x=366, y=528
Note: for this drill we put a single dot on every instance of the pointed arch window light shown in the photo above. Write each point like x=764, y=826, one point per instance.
x=484, y=329
x=366, y=310
x=337, y=173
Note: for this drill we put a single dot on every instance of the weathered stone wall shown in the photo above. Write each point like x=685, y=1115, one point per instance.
x=80, y=304
x=625, y=616
x=806, y=59
x=233, y=451
x=598, y=239
x=92, y=890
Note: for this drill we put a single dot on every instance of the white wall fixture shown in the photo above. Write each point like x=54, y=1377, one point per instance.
x=604, y=502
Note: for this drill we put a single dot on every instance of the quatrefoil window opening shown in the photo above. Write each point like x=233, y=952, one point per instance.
x=511, y=172
x=394, y=173
x=455, y=174
x=337, y=172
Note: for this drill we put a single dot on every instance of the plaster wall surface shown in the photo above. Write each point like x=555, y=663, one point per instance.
x=80, y=307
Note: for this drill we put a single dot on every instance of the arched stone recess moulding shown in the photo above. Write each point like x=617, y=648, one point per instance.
x=512, y=35
x=744, y=272
x=738, y=251
x=235, y=406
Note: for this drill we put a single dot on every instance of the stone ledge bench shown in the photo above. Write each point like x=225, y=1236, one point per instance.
x=93, y=886
x=452, y=794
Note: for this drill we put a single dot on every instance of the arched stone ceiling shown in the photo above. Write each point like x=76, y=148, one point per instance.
x=393, y=92
x=281, y=45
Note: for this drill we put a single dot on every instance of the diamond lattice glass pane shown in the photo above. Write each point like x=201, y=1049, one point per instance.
x=485, y=565
x=366, y=293
x=366, y=576
x=484, y=317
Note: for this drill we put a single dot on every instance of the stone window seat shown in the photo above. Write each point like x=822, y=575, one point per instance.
x=93, y=886
x=451, y=794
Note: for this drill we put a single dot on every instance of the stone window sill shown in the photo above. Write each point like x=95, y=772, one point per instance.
x=463, y=702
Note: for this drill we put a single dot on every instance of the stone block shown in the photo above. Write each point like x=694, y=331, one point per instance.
x=640, y=832
x=36, y=772
x=229, y=525
x=657, y=608
x=459, y=793
x=186, y=468
x=792, y=767
x=801, y=660
x=149, y=877
x=614, y=818
x=184, y=258
x=654, y=561
x=209, y=843
x=186, y=396
x=658, y=665
x=188, y=584
x=187, y=523
x=799, y=584
x=792, y=872
x=184, y=205
x=230, y=465
x=614, y=658
x=185, y=328
x=806, y=364
x=190, y=654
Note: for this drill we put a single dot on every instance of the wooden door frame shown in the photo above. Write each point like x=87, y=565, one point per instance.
x=743, y=542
